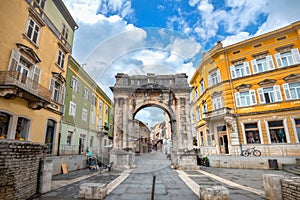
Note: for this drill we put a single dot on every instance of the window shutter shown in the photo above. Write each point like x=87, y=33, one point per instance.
x=278, y=96
x=286, y=90
x=219, y=76
x=253, y=97
x=254, y=66
x=270, y=62
x=209, y=81
x=237, y=99
x=232, y=72
x=14, y=60
x=51, y=86
x=261, y=96
x=247, y=68
x=278, y=60
x=62, y=95
x=36, y=74
x=296, y=56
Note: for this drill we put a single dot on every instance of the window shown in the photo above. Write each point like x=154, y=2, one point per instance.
x=65, y=31
x=100, y=105
x=69, y=138
x=291, y=90
x=240, y=70
x=202, y=88
x=26, y=70
x=82, y=143
x=247, y=98
x=72, y=110
x=198, y=113
x=94, y=100
x=210, y=138
x=252, y=133
x=60, y=58
x=58, y=91
x=32, y=30
x=84, y=114
x=93, y=117
x=214, y=78
x=201, y=138
x=106, y=110
x=41, y=3
x=91, y=141
x=269, y=94
x=204, y=107
x=110, y=127
x=100, y=124
x=262, y=65
x=276, y=131
x=288, y=58
x=22, y=129
x=74, y=84
x=196, y=93
x=217, y=103
x=297, y=123
x=4, y=122
x=86, y=93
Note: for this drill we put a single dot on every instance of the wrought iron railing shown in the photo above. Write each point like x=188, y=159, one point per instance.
x=15, y=78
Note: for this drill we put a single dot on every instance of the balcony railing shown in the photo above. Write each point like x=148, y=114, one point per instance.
x=217, y=113
x=15, y=78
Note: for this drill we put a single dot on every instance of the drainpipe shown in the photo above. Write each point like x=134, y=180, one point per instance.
x=232, y=94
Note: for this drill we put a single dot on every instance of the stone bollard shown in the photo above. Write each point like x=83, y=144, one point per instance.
x=214, y=193
x=272, y=186
x=45, y=176
x=93, y=190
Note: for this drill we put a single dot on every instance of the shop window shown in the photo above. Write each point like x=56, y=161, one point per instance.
x=22, y=128
x=4, y=122
x=252, y=133
x=277, y=133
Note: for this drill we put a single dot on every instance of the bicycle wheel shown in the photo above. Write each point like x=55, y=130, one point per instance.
x=245, y=153
x=256, y=153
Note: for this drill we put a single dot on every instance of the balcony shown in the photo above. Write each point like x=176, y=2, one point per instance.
x=218, y=114
x=15, y=84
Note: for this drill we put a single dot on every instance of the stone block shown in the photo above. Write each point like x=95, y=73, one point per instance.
x=93, y=190
x=214, y=193
x=272, y=186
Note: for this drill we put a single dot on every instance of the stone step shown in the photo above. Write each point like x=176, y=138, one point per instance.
x=294, y=171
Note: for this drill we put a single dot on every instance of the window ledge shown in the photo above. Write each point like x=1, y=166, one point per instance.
x=29, y=40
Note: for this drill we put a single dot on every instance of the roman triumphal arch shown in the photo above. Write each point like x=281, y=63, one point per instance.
x=168, y=92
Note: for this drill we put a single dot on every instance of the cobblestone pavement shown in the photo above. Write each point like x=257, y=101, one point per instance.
x=138, y=185
x=170, y=184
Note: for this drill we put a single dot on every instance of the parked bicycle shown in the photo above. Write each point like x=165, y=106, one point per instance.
x=250, y=151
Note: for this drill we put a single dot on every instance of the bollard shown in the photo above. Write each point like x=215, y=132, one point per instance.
x=153, y=188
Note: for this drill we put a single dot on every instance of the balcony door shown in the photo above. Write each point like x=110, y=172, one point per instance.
x=23, y=68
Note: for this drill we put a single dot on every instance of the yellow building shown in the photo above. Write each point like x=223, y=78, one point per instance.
x=248, y=94
x=36, y=40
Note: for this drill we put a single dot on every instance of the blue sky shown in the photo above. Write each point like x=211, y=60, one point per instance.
x=136, y=36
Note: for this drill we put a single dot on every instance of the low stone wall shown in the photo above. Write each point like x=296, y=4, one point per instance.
x=19, y=168
x=250, y=162
x=74, y=162
x=290, y=188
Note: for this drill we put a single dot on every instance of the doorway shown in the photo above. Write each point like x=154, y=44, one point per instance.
x=223, y=139
x=50, y=135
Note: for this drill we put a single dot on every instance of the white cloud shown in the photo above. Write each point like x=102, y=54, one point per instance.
x=235, y=38
x=187, y=48
x=147, y=115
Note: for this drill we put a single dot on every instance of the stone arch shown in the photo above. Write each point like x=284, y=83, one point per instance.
x=171, y=93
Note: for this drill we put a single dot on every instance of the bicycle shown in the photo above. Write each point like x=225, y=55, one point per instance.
x=251, y=150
